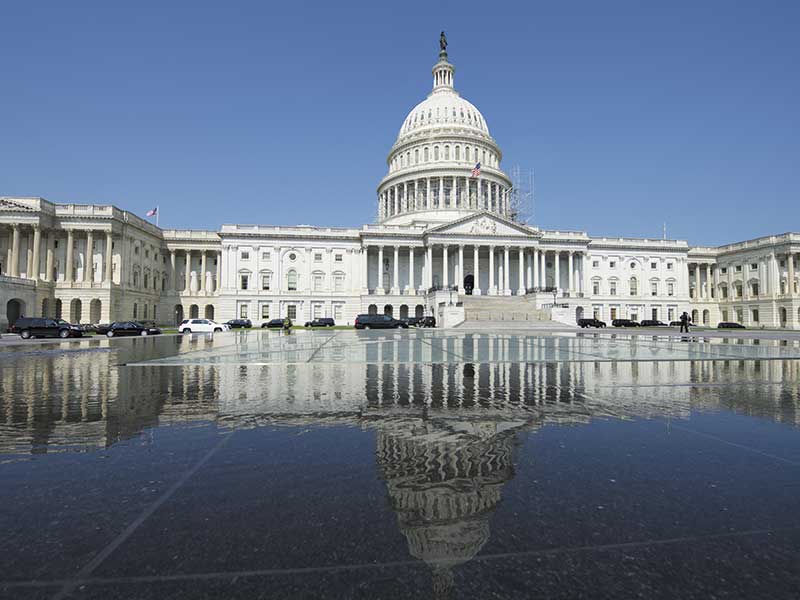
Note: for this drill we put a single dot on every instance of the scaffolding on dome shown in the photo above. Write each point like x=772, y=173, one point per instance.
x=522, y=202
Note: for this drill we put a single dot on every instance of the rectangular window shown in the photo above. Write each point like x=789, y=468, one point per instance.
x=755, y=289
x=596, y=288
x=754, y=267
x=266, y=281
x=319, y=280
x=738, y=268
x=318, y=257
x=612, y=288
x=754, y=313
x=266, y=256
x=738, y=291
x=291, y=311
x=595, y=263
x=671, y=314
x=316, y=311
x=338, y=258
x=243, y=311
x=669, y=266
x=723, y=270
x=653, y=265
x=613, y=313
x=245, y=255
x=244, y=281
x=612, y=264
x=724, y=315
x=670, y=289
x=596, y=313
x=338, y=283
x=654, y=314
x=265, y=311
x=724, y=293
x=338, y=311
x=654, y=289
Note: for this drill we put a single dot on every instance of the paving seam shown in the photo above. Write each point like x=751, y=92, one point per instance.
x=788, y=461
x=99, y=558
x=398, y=563
x=321, y=346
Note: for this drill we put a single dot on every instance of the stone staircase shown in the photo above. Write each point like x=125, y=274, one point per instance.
x=503, y=308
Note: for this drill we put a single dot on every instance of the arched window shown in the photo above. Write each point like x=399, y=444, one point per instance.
x=291, y=280
x=447, y=152
x=466, y=153
x=436, y=153
x=458, y=152
x=338, y=281
x=408, y=158
x=318, y=281
x=426, y=154
x=634, y=286
x=146, y=280
x=416, y=156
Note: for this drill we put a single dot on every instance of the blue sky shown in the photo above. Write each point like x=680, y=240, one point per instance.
x=631, y=113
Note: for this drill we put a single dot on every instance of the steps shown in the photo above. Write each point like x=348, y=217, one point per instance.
x=503, y=308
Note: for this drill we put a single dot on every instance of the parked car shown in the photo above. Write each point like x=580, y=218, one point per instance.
x=591, y=323
x=28, y=327
x=675, y=323
x=730, y=325
x=239, y=324
x=273, y=324
x=411, y=321
x=426, y=322
x=653, y=323
x=378, y=322
x=122, y=328
x=201, y=326
x=624, y=323
x=323, y=322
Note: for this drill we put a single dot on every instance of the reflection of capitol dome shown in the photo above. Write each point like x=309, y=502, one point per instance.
x=444, y=486
x=430, y=163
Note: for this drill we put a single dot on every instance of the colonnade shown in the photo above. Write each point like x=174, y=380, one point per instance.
x=443, y=192
x=203, y=286
x=529, y=263
x=774, y=274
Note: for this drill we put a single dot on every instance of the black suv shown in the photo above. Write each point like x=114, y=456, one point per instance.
x=121, y=328
x=378, y=322
x=653, y=323
x=730, y=325
x=624, y=323
x=28, y=327
x=591, y=323
x=323, y=322
x=239, y=324
x=275, y=324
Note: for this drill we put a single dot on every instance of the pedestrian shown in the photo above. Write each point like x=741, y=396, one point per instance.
x=685, y=322
x=287, y=324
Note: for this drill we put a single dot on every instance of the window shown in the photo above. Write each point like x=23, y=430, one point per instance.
x=244, y=279
x=447, y=152
x=739, y=290
x=291, y=311
x=338, y=282
x=612, y=264
x=135, y=310
x=136, y=249
x=595, y=263
x=613, y=313
x=245, y=255
x=669, y=266
x=292, y=256
x=146, y=252
x=755, y=289
x=633, y=265
x=318, y=280
x=338, y=258
x=738, y=268
x=670, y=289
x=754, y=315
x=338, y=311
x=266, y=281
x=724, y=290
x=458, y=152
x=291, y=280
x=416, y=156
x=426, y=154
x=596, y=288
x=634, y=286
x=318, y=257
x=243, y=311
x=612, y=288
x=266, y=256
x=754, y=267
x=670, y=314
x=654, y=288
x=436, y=153
x=653, y=265
x=316, y=310
x=265, y=311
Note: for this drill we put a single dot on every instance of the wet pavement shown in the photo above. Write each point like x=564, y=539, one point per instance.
x=430, y=464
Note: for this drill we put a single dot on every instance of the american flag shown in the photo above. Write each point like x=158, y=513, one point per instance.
x=476, y=170
x=153, y=212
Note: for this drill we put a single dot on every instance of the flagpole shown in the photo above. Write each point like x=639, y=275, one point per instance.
x=158, y=214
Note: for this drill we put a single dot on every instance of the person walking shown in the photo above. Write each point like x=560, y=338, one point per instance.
x=287, y=324
x=685, y=322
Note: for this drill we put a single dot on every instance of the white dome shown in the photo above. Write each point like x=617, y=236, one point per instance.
x=443, y=109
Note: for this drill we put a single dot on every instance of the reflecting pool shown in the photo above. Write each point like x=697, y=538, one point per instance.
x=400, y=464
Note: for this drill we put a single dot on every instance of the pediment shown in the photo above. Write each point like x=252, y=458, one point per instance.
x=12, y=205
x=483, y=224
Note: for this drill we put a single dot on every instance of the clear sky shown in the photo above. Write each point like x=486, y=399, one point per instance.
x=631, y=113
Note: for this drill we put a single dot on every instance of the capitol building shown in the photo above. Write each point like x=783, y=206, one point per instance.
x=447, y=243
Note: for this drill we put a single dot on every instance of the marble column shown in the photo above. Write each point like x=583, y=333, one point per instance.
x=218, y=282
x=697, y=288
x=521, y=286
x=365, y=267
x=379, y=289
x=109, y=261
x=556, y=263
x=441, y=192
x=790, y=283
x=50, y=256
x=476, y=274
x=445, y=282
x=68, y=267
x=535, y=267
x=429, y=268
x=396, y=271
x=460, y=275
x=411, y=287
x=491, y=291
x=88, y=266
x=570, y=274
x=37, y=242
x=187, y=273
x=202, y=282
x=172, y=281
x=506, y=274
x=14, y=266
x=428, y=193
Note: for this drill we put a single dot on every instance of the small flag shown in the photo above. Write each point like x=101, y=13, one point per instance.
x=152, y=213
x=476, y=170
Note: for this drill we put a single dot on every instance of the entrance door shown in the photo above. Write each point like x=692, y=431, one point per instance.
x=469, y=284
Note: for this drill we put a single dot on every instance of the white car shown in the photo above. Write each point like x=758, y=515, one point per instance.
x=201, y=326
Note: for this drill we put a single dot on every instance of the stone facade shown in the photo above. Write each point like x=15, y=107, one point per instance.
x=445, y=227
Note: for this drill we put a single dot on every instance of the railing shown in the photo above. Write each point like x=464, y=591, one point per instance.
x=573, y=295
x=541, y=290
x=442, y=288
x=17, y=280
